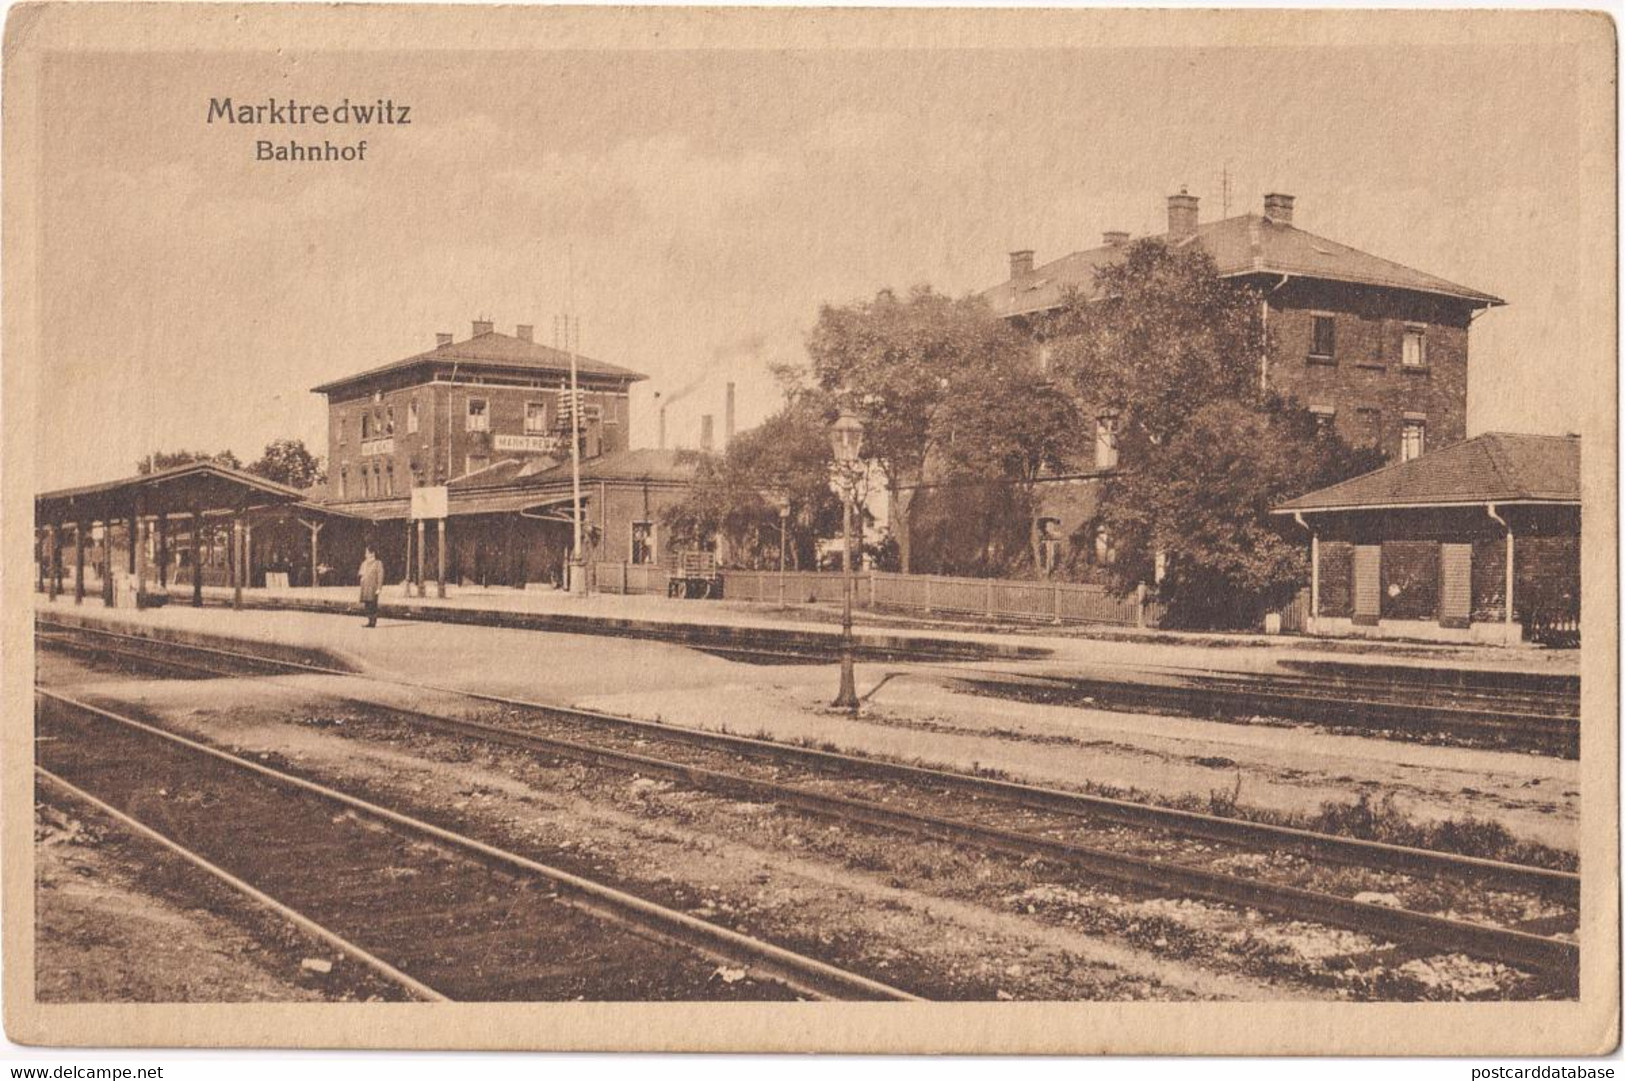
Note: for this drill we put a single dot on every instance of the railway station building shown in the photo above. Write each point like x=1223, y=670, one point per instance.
x=1376, y=349
x=490, y=418
x=1479, y=541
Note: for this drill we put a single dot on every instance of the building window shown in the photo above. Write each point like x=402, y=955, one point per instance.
x=535, y=418
x=479, y=415
x=1106, y=441
x=643, y=542
x=366, y=483
x=1325, y=417
x=1414, y=348
x=412, y=417
x=389, y=478
x=366, y=426
x=389, y=420
x=344, y=481
x=1369, y=431
x=1324, y=345
x=342, y=427
x=1413, y=439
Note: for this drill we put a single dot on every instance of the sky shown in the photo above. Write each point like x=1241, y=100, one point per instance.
x=695, y=208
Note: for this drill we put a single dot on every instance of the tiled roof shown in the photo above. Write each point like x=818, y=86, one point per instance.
x=494, y=350
x=621, y=465
x=1246, y=244
x=1497, y=467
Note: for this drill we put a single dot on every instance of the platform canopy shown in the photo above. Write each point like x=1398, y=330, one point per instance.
x=201, y=487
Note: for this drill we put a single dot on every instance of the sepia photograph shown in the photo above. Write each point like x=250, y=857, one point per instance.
x=811, y=529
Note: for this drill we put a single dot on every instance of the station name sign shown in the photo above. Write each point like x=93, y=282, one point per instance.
x=371, y=447
x=429, y=503
x=534, y=444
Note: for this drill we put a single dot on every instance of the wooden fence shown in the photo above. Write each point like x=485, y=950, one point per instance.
x=996, y=598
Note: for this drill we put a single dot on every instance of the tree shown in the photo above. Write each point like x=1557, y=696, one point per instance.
x=1008, y=423
x=895, y=360
x=287, y=461
x=159, y=460
x=1203, y=497
x=1164, y=335
x=736, y=495
x=1174, y=352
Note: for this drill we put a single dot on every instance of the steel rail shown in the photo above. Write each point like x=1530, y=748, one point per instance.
x=416, y=988
x=802, y=973
x=1563, y=885
x=1557, y=959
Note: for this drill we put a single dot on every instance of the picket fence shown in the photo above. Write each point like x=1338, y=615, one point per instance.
x=996, y=598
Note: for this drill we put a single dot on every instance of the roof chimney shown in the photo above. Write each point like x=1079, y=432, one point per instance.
x=1278, y=208
x=1114, y=239
x=1021, y=263
x=707, y=427
x=483, y=326
x=728, y=418
x=525, y=332
x=1181, y=215
x=442, y=339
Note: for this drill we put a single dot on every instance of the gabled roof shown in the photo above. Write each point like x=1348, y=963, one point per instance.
x=178, y=489
x=495, y=350
x=1242, y=245
x=1497, y=467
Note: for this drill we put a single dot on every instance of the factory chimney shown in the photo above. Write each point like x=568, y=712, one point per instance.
x=707, y=425
x=728, y=418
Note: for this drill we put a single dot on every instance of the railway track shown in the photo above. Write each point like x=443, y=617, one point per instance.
x=442, y=914
x=1019, y=819
x=1530, y=719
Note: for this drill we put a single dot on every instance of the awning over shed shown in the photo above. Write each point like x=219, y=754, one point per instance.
x=183, y=489
x=1497, y=467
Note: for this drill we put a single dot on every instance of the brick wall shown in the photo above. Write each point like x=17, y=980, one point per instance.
x=1365, y=370
x=420, y=457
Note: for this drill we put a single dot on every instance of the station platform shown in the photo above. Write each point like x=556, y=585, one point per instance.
x=721, y=624
x=913, y=710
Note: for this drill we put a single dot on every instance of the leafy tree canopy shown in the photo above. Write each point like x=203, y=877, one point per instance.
x=1203, y=498
x=737, y=495
x=1167, y=335
x=159, y=460
x=288, y=461
x=897, y=360
x=1175, y=352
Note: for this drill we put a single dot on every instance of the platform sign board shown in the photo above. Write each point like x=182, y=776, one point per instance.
x=429, y=502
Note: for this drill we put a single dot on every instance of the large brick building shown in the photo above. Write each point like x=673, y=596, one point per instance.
x=1377, y=348
x=490, y=419
x=461, y=407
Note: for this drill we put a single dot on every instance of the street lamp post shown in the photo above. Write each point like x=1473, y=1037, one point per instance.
x=784, y=518
x=846, y=440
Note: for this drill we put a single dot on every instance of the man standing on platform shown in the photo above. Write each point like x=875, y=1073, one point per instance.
x=372, y=580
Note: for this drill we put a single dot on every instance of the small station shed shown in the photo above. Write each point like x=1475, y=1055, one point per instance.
x=154, y=530
x=1478, y=541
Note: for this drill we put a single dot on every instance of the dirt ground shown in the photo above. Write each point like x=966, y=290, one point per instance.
x=914, y=715
x=119, y=920
x=944, y=923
